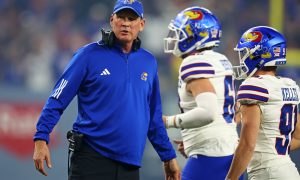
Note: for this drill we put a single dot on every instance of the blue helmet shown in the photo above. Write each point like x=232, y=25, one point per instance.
x=258, y=47
x=193, y=29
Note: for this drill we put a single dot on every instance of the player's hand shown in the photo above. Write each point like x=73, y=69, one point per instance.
x=41, y=153
x=172, y=170
x=180, y=147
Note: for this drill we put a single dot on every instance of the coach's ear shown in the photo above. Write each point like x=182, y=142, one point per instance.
x=111, y=20
x=142, y=24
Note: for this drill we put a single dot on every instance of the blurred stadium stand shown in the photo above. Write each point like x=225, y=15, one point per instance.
x=38, y=38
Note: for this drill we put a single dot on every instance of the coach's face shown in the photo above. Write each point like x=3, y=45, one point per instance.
x=126, y=25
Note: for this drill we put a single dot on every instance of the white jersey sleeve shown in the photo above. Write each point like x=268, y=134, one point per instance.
x=193, y=68
x=252, y=91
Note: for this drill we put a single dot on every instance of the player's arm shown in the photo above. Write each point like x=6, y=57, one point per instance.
x=295, y=144
x=248, y=136
x=205, y=112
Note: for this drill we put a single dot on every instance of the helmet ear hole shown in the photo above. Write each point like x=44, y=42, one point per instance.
x=187, y=43
x=190, y=39
x=256, y=58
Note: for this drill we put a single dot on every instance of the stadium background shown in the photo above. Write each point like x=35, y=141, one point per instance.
x=38, y=38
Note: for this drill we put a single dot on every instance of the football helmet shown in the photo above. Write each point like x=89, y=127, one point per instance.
x=194, y=28
x=258, y=47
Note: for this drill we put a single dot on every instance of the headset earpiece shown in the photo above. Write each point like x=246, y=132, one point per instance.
x=108, y=37
x=136, y=44
x=111, y=39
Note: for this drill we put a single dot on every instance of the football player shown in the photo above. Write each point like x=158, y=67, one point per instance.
x=207, y=96
x=269, y=109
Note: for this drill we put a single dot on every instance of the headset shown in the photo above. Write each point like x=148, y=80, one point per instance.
x=109, y=39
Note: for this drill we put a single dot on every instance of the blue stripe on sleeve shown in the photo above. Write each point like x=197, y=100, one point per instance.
x=254, y=88
x=183, y=77
x=252, y=96
x=195, y=65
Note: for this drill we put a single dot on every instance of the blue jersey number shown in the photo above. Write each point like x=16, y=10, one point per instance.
x=288, y=119
x=228, y=111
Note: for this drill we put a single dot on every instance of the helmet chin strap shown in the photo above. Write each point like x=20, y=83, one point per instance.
x=253, y=72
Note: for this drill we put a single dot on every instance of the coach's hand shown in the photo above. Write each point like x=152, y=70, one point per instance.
x=41, y=153
x=172, y=170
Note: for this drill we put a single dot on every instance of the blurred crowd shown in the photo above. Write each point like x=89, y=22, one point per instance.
x=39, y=37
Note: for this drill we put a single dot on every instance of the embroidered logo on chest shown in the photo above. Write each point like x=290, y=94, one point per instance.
x=144, y=76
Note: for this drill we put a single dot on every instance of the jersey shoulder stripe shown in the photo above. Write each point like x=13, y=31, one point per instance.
x=252, y=90
x=194, y=67
x=249, y=96
x=197, y=74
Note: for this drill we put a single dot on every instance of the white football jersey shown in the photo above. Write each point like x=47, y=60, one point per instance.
x=278, y=99
x=220, y=137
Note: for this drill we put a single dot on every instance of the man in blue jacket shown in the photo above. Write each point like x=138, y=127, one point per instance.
x=119, y=105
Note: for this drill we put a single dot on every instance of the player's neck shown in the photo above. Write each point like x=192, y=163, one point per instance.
x=262, y=72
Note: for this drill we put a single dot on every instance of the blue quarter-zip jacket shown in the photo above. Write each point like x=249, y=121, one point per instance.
x=119, y=103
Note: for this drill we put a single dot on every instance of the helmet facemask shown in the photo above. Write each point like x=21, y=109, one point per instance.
x=175, y=36
x=245, y=55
